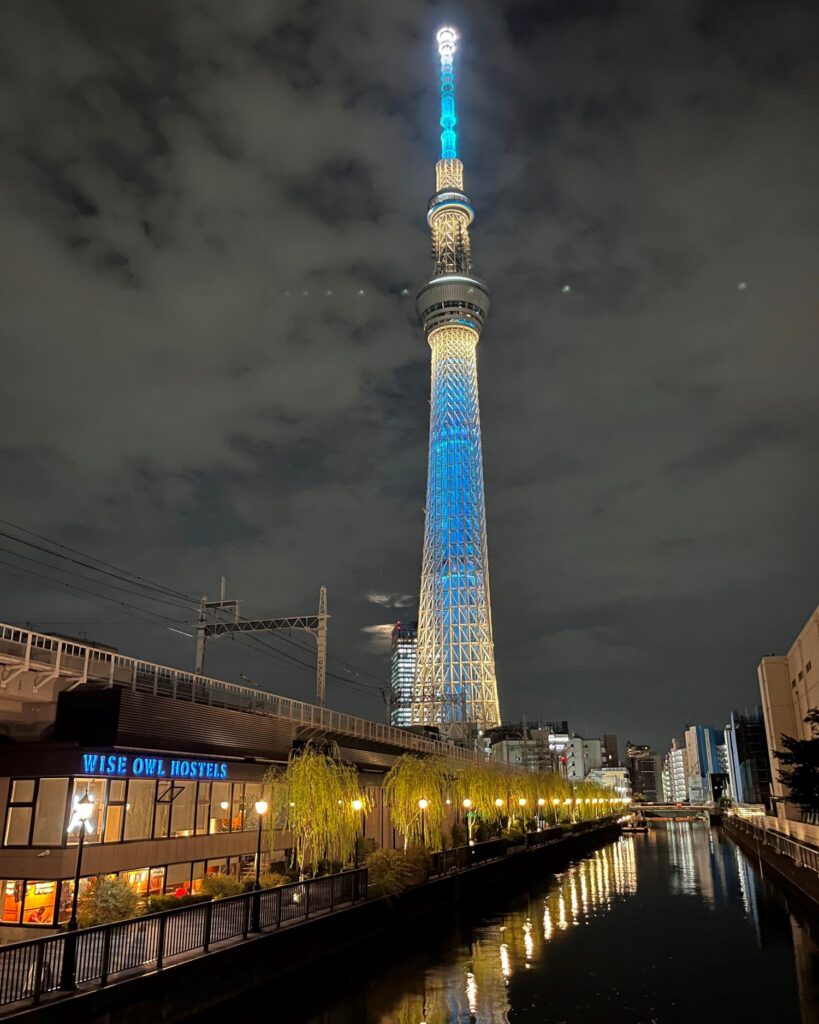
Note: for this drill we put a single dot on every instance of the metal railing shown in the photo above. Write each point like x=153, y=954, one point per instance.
x=53, y=657
x=30, y=970
x=804, y=856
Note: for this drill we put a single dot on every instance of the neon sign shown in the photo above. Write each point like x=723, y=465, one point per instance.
x=145, y=766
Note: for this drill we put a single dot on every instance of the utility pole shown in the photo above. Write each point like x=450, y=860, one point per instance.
x=314, y=624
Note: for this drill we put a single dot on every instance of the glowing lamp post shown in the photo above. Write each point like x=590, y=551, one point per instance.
x=82, y=813
x=567, y=805
x=522, y=805
x=261, y=809
x=555, y=805
x=469, y=816
x=422, y=805
x=358, y=807
x=577, y=803
x=540, y=804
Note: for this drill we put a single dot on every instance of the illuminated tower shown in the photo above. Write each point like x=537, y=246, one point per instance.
x=455, y=677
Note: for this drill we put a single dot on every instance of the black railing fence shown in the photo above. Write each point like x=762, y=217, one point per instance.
x=29, y=970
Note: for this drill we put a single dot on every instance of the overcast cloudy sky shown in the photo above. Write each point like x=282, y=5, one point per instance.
x=212, y=230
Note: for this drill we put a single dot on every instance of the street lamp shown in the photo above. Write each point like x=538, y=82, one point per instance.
x=540, y=803
x=83, y=810
x=499, y=804
x=423, y=804
x=577, y=803
x=261, y=810
x=358, y=806
x=469, y=815
x=555, y=805
x=567, y=804
x=522, y=804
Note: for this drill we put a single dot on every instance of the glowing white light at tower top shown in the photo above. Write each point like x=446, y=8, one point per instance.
x=447, y=38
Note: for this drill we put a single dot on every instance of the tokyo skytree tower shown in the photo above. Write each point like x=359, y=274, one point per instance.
x=455, y=683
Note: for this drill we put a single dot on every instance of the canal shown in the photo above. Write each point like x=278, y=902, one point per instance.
x=675, y=925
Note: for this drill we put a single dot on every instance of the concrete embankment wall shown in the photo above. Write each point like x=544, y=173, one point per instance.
x=798, y=881
x=205, y=983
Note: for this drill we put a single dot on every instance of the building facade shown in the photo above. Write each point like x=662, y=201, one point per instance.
x=645, y=772
x=583, y=756
x=615, y=778
x=455, y=688
x=402, y=672
x=749, y=767
x=789, y=687
x=538, y=746
x=675, y=774
x=706, y=766
x=611, y=755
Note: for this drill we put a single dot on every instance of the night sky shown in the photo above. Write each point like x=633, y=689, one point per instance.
x=212, y=230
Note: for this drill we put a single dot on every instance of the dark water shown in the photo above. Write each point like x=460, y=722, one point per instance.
x=676, y=925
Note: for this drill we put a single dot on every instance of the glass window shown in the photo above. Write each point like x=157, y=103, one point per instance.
x=116, y=791
x=220, y=807
x=203, y=809
x=50, y=816
x=114, y=815
x=156, y=882
x=162, y=819
x=66, y=892
x=39, y=903
x=238, y=807
x=183, y=809
x=12, y=901
x=138, y=880
x=217, y=867
x=95, y=788
x=18, y=826
x=197, y=874
x=253, y=790
x=178, y=879
x=139, y=810
x=22, y=791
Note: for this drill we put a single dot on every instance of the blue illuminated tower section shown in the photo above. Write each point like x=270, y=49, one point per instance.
x=455, y=685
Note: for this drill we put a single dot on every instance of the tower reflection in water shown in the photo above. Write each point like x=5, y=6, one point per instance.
x=475, y=990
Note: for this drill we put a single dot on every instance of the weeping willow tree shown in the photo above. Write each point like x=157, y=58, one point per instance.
x=318, y=800
x=410, y=781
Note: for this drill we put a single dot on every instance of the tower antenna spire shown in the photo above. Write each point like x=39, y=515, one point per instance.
x=447, y=38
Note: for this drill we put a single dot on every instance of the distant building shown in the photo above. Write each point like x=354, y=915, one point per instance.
x=611, y=757
x=675, y=774
x=540, y=746
x=707, y=769
x=582, y=756
x=644, y=769
x=789, y=686
x=749, y=767
x=402, y=672
x=612, y=778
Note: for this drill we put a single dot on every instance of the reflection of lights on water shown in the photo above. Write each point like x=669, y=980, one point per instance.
x=573, y=894
x=548, y=927
x=506, y=966
x=528, y=941
x=584, y=893
x=561, y=919
x=471, y=992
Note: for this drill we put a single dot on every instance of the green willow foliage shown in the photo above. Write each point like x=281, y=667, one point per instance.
x=410, y=780
x=313, y=800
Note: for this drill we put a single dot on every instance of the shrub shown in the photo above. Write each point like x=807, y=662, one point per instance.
x=388, y=872
x=220, y=886
x=267, y=880
x=106, y=900
x=171, y=902
x=419, y=864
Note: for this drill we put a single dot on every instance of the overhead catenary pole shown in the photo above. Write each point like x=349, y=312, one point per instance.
x=313, y=624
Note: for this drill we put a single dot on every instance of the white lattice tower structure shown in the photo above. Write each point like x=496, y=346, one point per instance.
x=455, y=685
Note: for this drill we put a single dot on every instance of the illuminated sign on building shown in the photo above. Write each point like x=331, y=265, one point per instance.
x=144, y=766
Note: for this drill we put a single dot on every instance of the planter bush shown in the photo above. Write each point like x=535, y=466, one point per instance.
x=389, y=872
x=171, y=902
x=106, y=900
x=219, y=887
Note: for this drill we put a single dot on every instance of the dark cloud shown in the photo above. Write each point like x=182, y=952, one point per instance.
x=210, y=216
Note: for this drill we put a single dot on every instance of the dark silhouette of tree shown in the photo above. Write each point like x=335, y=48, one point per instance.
x=801, y=761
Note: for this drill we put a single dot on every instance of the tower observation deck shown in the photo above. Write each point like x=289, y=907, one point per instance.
x=455, y=685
